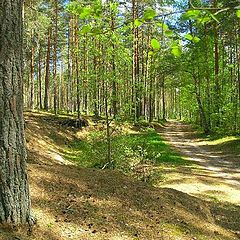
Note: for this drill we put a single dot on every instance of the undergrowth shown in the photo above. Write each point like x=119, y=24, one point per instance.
x=141, y=153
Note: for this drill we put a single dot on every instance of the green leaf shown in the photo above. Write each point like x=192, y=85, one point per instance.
x=155, y=44
x=196, y=39
x=74, y=8
x=96, y=31
x=85, y=13
x=137, y=23
x=176, y=51
x=169, y=33
x=204, y=19
x=86, y=29
x=97, y=11
x=238, y=13
x=114, y=7
x=189, y=37
x=162, y=25
x=192, y=14
x=150, y=53
x=165, y=27
x=149, y=14
x=214, y=18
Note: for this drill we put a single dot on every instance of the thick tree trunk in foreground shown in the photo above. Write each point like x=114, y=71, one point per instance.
x=14, y=191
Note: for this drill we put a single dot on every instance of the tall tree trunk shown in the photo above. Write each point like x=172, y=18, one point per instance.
x=69, y=69
x=136, y=66
x=77, y=69
x=114, y=84
x=95, y=85
x=202, y=113
x=40, y=76
x=14, y=190
x=151, y=98
x=32, y=87
x=163, y=99
x=216, y=69
x=55, y=81
x=47, y=76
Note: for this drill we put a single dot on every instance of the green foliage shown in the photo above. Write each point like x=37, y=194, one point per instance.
x=192, y=14
x=192, y=38
x=128, y=151
x=176, y=50
x=189, y=37
x=137, y=22
x=87, y=12
x=113, y=7
x=149, y=14
x=102, y=43
x=196, y=39
x=162, y=25
x=86, y=29
x=169, y=33
x=200, y=16
x=238, y=13
x=155, y=44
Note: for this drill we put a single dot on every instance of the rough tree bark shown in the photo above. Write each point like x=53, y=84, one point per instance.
x=14, y=190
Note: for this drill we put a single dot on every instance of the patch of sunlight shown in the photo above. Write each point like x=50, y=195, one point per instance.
x=65, y=135
x=131, y=131
x=59, y=158
x=196, y=159
x=214, y=169
x=222, y=192
x=46, y=143
x=219, y=141
x=120, y=238
x=37, y=191
x=111, y=203
x=70, y=151
x=47, y=222
x=83, y=133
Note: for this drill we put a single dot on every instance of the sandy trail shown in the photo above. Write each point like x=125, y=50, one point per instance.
x=215, y=175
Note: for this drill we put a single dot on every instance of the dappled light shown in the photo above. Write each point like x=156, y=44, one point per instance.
x=85, y=203
x=77, y=203
x=71, y=201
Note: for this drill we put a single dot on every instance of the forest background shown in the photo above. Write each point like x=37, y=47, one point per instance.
x=135, y=60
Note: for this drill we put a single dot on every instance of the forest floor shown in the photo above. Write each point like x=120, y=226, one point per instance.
x=72, y=202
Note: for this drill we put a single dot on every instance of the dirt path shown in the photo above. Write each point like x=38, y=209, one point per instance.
x=214, y=174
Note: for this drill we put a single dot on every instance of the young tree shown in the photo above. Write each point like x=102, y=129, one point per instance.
x=14, y=190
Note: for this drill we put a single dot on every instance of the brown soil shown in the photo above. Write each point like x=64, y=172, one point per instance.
x=74, y=203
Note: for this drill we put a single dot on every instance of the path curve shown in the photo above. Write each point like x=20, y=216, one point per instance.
x=215, y=175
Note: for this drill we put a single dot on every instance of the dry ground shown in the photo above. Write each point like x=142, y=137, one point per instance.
x=74, y=203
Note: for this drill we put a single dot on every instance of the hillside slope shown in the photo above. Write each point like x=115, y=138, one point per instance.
x=76, y=203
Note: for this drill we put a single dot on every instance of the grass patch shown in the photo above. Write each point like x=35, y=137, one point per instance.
x=222, y=140
x=229, y=144
x=129, y=150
